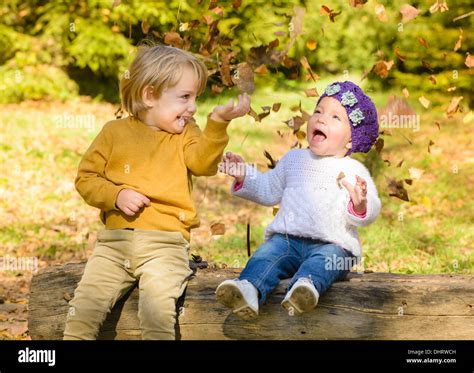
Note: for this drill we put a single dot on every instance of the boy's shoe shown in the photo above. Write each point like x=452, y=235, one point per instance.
x=302, y=297
x=241, y=296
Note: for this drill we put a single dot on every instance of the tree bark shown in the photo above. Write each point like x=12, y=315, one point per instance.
x=376, y=306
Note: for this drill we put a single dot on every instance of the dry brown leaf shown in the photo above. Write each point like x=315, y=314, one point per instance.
x=357, y=3
x=311, y=92
x=469, y=61
x=453, y=106
x=244, y=79
x=439, y=6
x=433, y=80
x=380, y=13
x=424, y=102
x=408, y=13
x=217, y=229
x=423, y=42
x=415, y=173
x=458, y=44
x=339, y=179
x=381, y=68
x=145, y=27
x=399, y=56
x=262, y=70
x=332, y=14
x=276, y=107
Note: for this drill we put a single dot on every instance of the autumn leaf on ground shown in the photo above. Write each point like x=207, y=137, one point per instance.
x=453, y=106
x=332, y=14
x=408, y=13
x=217, y=229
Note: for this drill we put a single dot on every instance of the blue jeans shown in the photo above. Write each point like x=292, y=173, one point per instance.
x=285, y=256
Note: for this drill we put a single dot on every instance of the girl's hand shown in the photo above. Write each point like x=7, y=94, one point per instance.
x=233, y=165
x=130, y=201
x=228, y=112
x=358, y=194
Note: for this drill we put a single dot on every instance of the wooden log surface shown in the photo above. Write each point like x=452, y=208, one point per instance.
x=376, y=306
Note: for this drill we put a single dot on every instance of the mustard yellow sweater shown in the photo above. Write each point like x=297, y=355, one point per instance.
x=128, y=154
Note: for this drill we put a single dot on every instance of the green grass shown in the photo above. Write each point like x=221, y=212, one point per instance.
x=41, y=214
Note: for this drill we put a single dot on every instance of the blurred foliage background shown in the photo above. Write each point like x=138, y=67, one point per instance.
x=61, y=49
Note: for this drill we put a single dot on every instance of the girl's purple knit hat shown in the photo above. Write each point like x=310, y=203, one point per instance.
x=361, y=112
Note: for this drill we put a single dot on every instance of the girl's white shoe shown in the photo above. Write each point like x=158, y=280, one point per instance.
x=302, y=297
x=241, y=296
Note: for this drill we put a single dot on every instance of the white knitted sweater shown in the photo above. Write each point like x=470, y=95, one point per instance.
x=312, y=204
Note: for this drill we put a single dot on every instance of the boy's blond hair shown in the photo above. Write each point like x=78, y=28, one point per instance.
x=160, y=67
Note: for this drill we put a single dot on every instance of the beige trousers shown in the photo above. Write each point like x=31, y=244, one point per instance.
x=158, y=260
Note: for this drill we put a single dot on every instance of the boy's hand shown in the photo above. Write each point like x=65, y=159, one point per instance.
x=130, y=201
x=358, y=194
x=233, y=165
x=228, y=112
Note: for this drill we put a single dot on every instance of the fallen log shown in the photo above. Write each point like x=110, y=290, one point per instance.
x=376, y=306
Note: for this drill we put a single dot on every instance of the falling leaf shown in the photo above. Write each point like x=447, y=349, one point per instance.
x=262, y=70
x=381, y=68
x=244, y=79
x=380, y=13
x=270, y=158
x=332, y=14
x=339, y=179
x=311, y=44
x=305, y=63
x=357, y=3
x=311, y=92
x=396, y=189
x=408, y=13
x=379, y=145
x=174, y=39
x=415, y=173
x=300, y=135
x=276, y=107
x=405, y=92
x=217, y=229
x=439, y=6
x=423, y=42
x=145, y=27
x=458, y=44
x=275, y=211
x=433, y=80
x=399, y=56
x=400, y=163
x=469, y=61
x=424, y=102
x=295, y=123
x=453, y=106
x=430, y=144
x=408, y=181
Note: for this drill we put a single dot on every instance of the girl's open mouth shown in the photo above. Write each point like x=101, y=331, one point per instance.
x=318, y=136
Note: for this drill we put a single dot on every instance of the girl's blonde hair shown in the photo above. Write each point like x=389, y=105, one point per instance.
x=160, y=67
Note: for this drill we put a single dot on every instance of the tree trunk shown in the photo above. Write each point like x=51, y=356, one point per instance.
x=369, y=306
